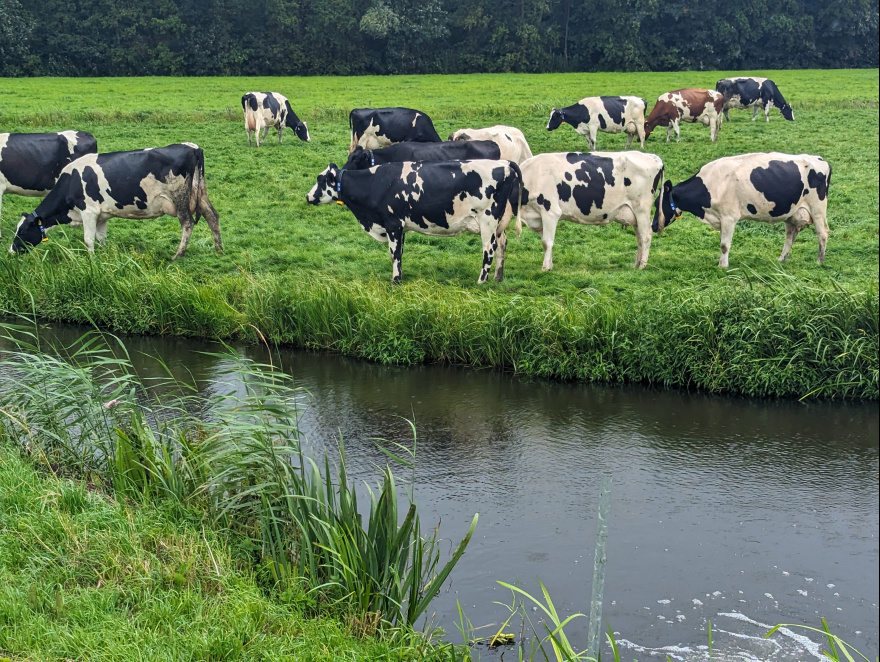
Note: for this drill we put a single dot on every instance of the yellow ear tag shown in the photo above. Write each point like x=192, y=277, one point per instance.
x=340, y=202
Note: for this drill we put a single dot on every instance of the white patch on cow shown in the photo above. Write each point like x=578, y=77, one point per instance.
x=71, y=140
x=415, y=119
x=372, y=139
x=510, y=141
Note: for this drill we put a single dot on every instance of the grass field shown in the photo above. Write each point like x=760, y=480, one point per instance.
x=311, y=277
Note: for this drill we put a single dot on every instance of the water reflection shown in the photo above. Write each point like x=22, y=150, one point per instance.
x=720, y=505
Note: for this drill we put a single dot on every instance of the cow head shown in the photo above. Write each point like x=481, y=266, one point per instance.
x=787, y=112
x=327, y=188
x=30, y=232
x=360, y=159
x=557, y=117
x=666, y=211
x=302, y=131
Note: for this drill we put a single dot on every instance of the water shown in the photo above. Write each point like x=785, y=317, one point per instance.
x=747, y=513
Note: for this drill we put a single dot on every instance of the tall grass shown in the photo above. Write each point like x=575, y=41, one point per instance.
x=754, y=334
x=236, y=458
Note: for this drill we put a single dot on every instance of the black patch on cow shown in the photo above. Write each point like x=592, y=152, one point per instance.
x=626, y=181
x=594, y=174
x=544, y=202
x=818, y=181
x=615, y=107
x=780, y=182
x=564, y=191
x=93, y=187
x=692, y=196
x=271, y=103
x=656, y=180
x=748, y=89
x=602, y=123
x=752, y=209
x=604, y=216
x=568, y=176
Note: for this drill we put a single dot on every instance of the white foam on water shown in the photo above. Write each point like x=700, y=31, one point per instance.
x=663, y=602
x=829, y=585
x=802, y=592
x=808, y=644
x=785, y=573
x=767, y=595
x=809, y=579
x=715, y=594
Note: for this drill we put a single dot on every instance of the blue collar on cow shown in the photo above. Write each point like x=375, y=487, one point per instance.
x=339, y=180
x=372, y=158
x=562, y=115
x=676, y=212
x=42, y=229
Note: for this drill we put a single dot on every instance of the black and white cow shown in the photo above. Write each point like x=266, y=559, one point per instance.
x=374, y=128
x=31, y=162
x=270, y=109
x=145, y=183
x=510, y=140
x=591, y=189
x=768, y=187
x=752, y=91
x=361, y=159
x=609, y=114
x=442, y=198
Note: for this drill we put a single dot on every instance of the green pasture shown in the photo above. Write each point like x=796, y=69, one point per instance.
x=292, y=252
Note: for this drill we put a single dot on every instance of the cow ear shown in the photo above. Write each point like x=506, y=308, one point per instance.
x=464, y=136
x=667, y=186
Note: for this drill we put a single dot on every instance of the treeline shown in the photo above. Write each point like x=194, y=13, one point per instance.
x=344, y=37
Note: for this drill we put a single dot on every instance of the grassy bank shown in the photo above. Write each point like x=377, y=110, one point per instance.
x=312, y=278
x=86, y=577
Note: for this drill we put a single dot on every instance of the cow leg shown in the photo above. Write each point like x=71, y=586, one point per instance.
x=187, y=223
x=395, y=247
x=280, y=132
x=820, y=222
x=2, y=191
x=101, y=231
x=767, y=107
x=791, y=233
x=713, y=129
x=727, y=228
x=629, y=139
x=677, y=126
x=591, y=138
x=755, y=114
x=668, y=129
x=489, y=235
x=640, y=129
x=548, y=235
x=89, y=223
x=212, y=218
x=726, y=115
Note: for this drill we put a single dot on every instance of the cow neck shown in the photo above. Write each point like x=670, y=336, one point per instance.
x=687, y=197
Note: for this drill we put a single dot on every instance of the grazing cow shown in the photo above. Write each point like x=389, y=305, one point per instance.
x=374, y=128
x=442, y=198
x=591, y=189
x=31, y=162
x=688, y=105
x=752, y=91
x=270, y=109
x=608, y=114
x=509, y=139
x=361, y=159
x=145, y=183
x=769, y=187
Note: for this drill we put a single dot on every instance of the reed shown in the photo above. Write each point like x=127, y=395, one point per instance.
x=83, y=409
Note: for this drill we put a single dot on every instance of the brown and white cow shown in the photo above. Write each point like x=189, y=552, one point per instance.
x=509, y=139
x=767, y=187
x=590, y=189
x=687, y=105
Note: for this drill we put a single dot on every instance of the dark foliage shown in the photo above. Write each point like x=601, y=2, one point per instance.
x=338, y=37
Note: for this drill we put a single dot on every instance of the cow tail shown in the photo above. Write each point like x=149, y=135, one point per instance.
x=197, y=188
x=661, y=220
x=514, y=196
